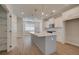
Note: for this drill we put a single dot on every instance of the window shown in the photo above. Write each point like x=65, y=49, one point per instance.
x=29, y=26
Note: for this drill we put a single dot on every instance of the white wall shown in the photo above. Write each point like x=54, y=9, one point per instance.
x=59, y=22
x=46, y=23
x=49, y=21
x=72, y=13
x=59, y=29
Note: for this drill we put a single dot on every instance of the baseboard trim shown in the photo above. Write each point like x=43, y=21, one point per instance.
x=73, y=44
x=60, y=42
x=3, y=51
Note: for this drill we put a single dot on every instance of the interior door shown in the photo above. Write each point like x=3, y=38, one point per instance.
x=72, y=31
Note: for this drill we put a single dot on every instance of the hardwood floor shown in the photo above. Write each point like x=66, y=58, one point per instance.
x=67, y=49
x=24, y=48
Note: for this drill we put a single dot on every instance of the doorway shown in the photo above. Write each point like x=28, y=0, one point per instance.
x=72, y=31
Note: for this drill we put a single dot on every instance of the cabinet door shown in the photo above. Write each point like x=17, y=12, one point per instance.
x=50, y=44
x=9, y=32
x=3, y=33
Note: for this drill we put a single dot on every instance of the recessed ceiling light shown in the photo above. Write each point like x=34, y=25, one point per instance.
x=46, y=15
x=53, y=11
x=42, y=13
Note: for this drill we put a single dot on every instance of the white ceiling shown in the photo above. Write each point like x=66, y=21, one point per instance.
x=35, y=10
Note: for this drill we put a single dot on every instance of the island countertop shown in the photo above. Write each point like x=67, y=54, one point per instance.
x=44, y=34
x=41, y=34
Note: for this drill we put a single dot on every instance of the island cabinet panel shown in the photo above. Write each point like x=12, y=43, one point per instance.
x=46, y=44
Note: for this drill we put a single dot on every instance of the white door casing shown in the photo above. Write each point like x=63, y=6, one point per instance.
x=12, y=31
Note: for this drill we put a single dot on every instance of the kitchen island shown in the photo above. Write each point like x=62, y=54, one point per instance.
x=46, y=42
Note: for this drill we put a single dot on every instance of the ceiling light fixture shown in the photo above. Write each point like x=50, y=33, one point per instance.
x=46, y=15
x=42, y=10
x=42, y=13
x=53, y=11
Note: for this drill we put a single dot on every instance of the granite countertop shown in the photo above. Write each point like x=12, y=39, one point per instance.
x=41, y=34
x=44, y=34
